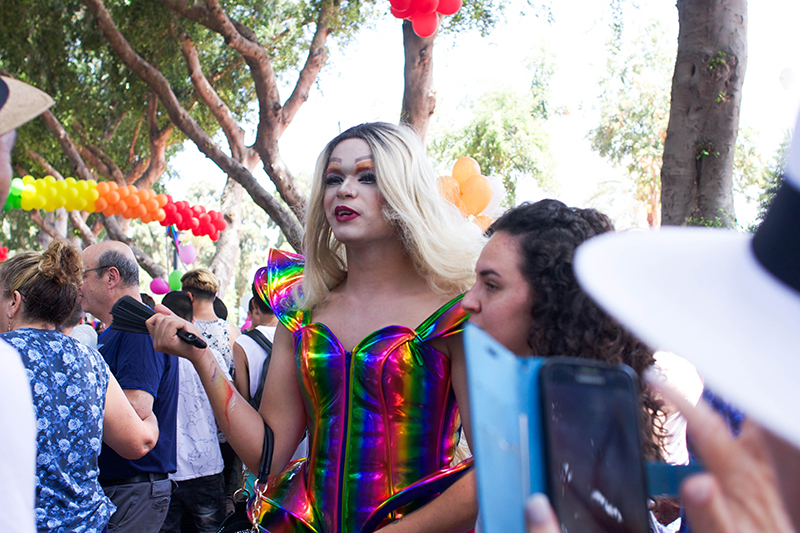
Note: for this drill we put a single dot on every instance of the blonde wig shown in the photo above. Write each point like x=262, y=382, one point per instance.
x=442, y=244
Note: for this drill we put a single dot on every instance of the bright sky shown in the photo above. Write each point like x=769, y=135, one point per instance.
x=364, y=82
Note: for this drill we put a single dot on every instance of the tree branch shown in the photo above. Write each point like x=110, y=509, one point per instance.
x=144, y=260
x=67, y=146
x=36, y=218
x=317, y=55
x=184, y=121
x=86, y=234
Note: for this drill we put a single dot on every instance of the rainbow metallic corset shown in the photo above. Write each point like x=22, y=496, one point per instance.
x=382, y=423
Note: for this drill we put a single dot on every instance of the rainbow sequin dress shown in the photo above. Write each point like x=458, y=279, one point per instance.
x=382, y=419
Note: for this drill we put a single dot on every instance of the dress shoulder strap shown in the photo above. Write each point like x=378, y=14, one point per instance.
x=447, y=320
x=277, y=284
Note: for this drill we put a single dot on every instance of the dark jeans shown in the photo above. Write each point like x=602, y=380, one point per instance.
x=202, y=498
x=141, y=507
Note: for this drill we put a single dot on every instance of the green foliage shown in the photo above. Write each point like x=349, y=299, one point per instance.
x=772, y=180
x=483, y=15
x=705, y=149
x=634, y=107
x=718, y=222
x=505, y=133
x=717, y=60
x=635, y=100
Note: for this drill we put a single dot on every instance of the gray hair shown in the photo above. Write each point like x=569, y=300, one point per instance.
x=128, y=270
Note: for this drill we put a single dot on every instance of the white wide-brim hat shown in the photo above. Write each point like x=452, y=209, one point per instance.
x=726, y=301
x=19, y=103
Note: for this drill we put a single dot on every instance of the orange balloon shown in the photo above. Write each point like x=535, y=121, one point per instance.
x=112, y=185
x=128, y=213
x=143, y=195
x=160, y=215
x=483, y=222
x=132, y=200
x=120, y=207
x=139, y=211
x=448, y=187
x=100, y=205
x=162, y=200
x=123, y=192
x=112, y=197
x=476, y=193
x=464, y=168
x=102, y=188
x=151, y=204
x=109, y=211
x=146, y=218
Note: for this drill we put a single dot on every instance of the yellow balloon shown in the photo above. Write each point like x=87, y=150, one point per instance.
x=91, y=195
x=39, y=202
x=70, y=181
x=28, y=192
x=28, y=180
x=26, y=203
x=50, y=180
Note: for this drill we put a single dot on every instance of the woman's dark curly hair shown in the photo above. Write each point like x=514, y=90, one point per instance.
x=565, y=320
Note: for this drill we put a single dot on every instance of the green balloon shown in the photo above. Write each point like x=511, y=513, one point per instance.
x=175, y=280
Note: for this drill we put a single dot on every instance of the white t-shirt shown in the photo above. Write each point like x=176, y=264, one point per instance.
x=255, y=354
x=18, y=447
x=196, y=439
x=680, y=374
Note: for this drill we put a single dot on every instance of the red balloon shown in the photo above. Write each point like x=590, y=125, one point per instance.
x=220, y=224
x=426, y=6
x=425, y=24
x=408, y=13
x=400, y=5
x=193, y=223
x=448, y=7
x=214, y=235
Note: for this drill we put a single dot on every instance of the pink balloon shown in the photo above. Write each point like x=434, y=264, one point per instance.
x=448, y=7
x=188, y=254
x=159, y=286
x=425, y=24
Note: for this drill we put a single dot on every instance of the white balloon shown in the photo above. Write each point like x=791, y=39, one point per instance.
x=788, y=78
x=498, y=192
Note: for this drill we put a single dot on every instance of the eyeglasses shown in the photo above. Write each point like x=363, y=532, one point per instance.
x=95, y=268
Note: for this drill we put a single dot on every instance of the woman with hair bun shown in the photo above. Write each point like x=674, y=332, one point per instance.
x=77, y=401
x=367, y=358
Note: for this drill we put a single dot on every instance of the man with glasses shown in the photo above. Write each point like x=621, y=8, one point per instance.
x=140, y=489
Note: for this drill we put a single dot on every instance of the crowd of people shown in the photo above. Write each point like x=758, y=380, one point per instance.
x=350, y=387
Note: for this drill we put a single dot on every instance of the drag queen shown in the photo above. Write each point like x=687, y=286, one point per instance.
x=368, y=357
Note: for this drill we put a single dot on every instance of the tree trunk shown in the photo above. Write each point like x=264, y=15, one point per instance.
x=419, y=98
x=227, y=252
x=697, y=172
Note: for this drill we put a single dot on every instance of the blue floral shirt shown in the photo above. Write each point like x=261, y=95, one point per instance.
x=68, y=383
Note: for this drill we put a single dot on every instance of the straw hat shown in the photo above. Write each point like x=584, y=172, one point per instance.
x=726, y=301
x=19, y=103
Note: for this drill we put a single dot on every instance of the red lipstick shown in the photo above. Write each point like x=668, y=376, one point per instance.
x=344, y=213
